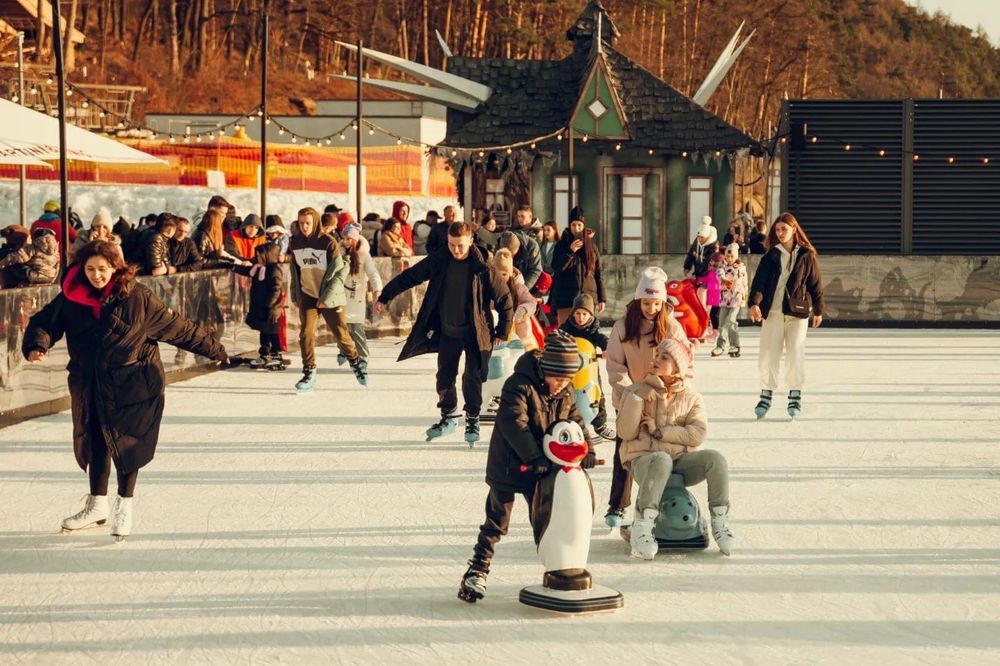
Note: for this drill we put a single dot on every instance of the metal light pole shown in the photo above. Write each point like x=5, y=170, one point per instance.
x=361, y=131
x=57, y=52
x=264, y=117
x=20, y=96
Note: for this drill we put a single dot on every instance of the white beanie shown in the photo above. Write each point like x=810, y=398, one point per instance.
x=707, y=231
x=102, y=219
x=652, y=284
x=733, y=248
x=276, y=229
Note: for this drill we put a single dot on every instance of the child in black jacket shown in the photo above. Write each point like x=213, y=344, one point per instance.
x=582, y=323
x=267, y=294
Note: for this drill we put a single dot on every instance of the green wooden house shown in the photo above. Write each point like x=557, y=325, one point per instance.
x=595, y=128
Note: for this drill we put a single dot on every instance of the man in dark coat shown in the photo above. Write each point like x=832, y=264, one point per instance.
x=455, y=317
x=116, y=379
x=184, y=254
x=155, y=246
x=438, y=238
x=538, y=395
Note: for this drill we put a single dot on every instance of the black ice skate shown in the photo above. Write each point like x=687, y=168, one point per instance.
x=471, y=430
x=734, y=352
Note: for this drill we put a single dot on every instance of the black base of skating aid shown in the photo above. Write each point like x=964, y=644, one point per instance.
x=595, y=600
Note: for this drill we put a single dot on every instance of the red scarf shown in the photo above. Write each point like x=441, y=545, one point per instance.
x=77, y=288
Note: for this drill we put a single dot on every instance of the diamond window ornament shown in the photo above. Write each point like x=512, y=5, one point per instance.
x=597, y=109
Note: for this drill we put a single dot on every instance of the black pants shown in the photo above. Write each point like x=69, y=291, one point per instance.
x=477, y=364
x=270, y=344
x=621, y=481
x=99, y=469
x=713, y=316
x=499, y=504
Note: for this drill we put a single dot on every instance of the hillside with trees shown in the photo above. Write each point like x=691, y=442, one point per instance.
x=203, y=55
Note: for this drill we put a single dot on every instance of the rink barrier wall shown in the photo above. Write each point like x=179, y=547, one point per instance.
x=866, y=290
x=860, y=290
x=217, y=298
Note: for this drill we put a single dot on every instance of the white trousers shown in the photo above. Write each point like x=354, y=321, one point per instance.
x=781, y=333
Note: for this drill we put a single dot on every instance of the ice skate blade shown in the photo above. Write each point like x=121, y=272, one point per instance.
x=66, y=530
x=576, y=602
x=119, y=538
x=469, y=596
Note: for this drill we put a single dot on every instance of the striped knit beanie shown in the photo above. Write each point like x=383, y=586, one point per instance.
x=680, y=351
x=560, y=357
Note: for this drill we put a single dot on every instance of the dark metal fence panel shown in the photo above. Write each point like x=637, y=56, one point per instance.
x=956, y=180
x=848, y=200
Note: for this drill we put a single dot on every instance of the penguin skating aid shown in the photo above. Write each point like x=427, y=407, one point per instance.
x=563, y=510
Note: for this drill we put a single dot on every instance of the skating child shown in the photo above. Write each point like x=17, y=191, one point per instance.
x=361, y=276
x=733, y=276
x=713, y=291
x=525, y=304
x=267, y=296
x=583, y=324
x=538, y=394
x=662, y=423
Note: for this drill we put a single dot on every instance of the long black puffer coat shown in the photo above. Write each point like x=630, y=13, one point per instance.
x=267, y=289
x=114, y=366
x=572, y=275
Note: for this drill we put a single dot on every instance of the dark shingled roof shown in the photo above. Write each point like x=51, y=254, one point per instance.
x=532, y=98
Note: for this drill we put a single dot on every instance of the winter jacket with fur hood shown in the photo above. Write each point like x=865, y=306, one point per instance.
x=654, y=417
x=39, y=261
x=357, y=286
x=526, y=412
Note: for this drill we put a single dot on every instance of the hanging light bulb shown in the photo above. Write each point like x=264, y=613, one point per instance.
x=509, y=150
x=482, y=153
x=295, y=139
x=85, y=104
x=650, y=151
x=986, y=160
x=916, y=157
x=101, y=114
x=197, y=138
x=121, y=125
x=172, y=139
x=281, y=131
x=187, y=139
x=267, y=121
x=354, y=126
x=222, y=133
x=371, y=132
x=618, y=146
x=532, y=145
x=847, y=148
x=48, y=81
x=329, y=141
x=881, y=152
x=815, y=139
x=559, y=136
x=951, y=160
x=250, y=119
x=14, y=98
x=684, y=154
x=69, y=91
x=260, y=112
x=585, y=138
x=34, y=90
x=399, y=142
x=718, y=153
x=342, y=136
x=454, y=153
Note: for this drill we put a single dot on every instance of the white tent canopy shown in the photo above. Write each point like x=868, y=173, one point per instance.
x=27, y=137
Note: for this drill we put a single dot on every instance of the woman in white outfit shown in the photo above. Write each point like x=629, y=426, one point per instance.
x=786, y=291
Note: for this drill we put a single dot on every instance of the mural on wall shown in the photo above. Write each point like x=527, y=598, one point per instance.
x=862, y=288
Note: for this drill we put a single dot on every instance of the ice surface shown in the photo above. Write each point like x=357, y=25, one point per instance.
x=323, y=529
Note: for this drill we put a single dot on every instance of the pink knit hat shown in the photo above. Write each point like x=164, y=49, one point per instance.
x=680, y=351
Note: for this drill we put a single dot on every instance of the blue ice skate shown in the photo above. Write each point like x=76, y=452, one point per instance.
x=471, y=430
x=360, y=369
x=308, y=381
x=445, y=426
x=794, y=404
x=765, y=403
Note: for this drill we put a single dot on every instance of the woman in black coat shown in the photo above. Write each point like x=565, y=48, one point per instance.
x=116, y=381
x=576, y=264
x=787, y=292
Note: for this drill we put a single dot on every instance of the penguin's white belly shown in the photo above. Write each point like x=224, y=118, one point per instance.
x=566, y=541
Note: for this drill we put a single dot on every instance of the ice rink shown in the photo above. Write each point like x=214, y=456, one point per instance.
x=275, y=528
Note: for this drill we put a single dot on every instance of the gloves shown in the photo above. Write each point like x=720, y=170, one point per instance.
x=539, y=466
x=589, y=461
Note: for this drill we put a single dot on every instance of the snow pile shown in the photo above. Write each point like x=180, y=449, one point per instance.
x=324, y=529
x=134, y=201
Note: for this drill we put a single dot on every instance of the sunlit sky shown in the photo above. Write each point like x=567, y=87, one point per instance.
x=971, y=13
